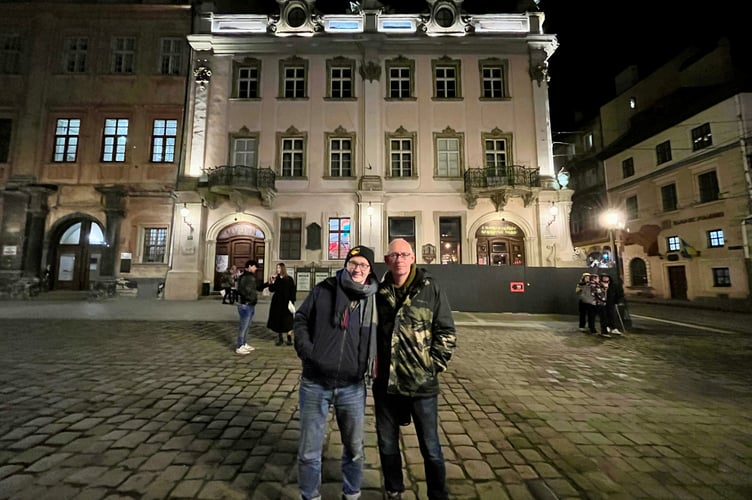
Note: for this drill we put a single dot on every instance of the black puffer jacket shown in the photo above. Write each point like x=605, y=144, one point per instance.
x=332, y=355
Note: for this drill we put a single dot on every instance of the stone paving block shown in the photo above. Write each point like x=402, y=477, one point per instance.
x=187, y=488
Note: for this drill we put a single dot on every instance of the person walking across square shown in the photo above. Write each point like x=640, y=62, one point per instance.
x=416, y=340
x=284, y=293
x=335, y=338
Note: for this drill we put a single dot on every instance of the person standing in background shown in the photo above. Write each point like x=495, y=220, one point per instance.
x=582, y=303
x=225, y=283
x=335, y=337
x=283, y=288
x=416, y=339
x=247, y=299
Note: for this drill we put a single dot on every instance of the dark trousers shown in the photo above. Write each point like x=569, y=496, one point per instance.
x=390, y=411
x=583, y=313
x=611, y=317
x=600, y=312
x=228, y=297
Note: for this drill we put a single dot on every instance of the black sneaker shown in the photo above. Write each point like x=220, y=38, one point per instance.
x=393, y=495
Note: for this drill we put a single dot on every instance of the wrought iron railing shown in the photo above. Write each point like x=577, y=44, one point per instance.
x=241, y=176
x=507, y=176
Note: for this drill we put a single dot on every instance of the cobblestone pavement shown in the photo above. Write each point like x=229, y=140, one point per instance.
x=530, y=409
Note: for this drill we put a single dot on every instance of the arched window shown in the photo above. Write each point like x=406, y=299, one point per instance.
x=638, y=272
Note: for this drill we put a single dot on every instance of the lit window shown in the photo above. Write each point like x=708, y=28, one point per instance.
x=115, y=140
x=673, y=243
x=715, y=238
x=339, y=238
x=163, y=137
x=155, y=245
x=66, y=140
x=632, y=103
x=701, y=137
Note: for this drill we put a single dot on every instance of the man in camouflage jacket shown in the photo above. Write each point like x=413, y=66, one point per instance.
x=416, y=338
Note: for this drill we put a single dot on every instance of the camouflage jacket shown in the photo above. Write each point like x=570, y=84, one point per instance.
x=416, y=338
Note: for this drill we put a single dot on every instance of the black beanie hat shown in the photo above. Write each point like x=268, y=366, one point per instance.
x=360, y=251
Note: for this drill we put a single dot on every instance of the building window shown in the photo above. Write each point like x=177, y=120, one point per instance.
x=244, y=151
x=701, y=137
x=496, y=152
x=708, y=184
x=402, y=227
x=715, y=238
x=493, y=79
x=673, y=243
x=10, y=54
x=339, y=237
x=67, y=132
x=290, y=237
x=114, y=140
x=293, y=78
x=633, y=211
x=76, y=54
x=340, y=154
x=6, y=127
x=171, y=56
x=247, y=77
x=668, y=196
x=450, y=238
x=400, y=148
x=163, y=137
x=449, y=152
x=721, y=276
x=340, y=81
x=155, y=245
x=663, y=152
x=627, y=167
x=292, y=156
x=638, y=271
x=123, y=55
x=632, y=103
x=399, y=79
x=446, y=79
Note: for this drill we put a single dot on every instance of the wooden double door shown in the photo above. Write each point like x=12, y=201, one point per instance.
x=235, y=251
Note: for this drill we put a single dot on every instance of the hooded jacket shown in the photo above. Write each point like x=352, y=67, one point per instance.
x=416, y=337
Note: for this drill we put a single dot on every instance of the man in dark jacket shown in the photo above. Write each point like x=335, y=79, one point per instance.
x=335, y=337
x=415, y=342
x=247, y=298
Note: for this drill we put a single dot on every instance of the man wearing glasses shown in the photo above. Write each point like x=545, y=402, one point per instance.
x=415, y=342
x=335, y=337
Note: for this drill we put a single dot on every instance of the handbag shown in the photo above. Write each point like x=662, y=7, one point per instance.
x=291, y=307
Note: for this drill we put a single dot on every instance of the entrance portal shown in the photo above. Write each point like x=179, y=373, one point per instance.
x=235, y=245
x=500, y=243
x=78, y=256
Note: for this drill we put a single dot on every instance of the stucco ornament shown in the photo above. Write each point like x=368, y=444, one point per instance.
x=370, y=71
x=202, y=73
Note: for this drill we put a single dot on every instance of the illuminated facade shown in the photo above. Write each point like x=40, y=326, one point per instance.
x=307, y=133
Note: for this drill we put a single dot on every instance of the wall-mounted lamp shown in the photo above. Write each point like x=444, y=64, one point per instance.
x=552, y=211
x=563, y=178
x=185, y=213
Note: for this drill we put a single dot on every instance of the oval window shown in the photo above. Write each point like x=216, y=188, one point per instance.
x=444, y=17
x=296, y=16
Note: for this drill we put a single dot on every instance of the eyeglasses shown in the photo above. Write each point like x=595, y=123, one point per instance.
x=397, y=255
x=354, y=265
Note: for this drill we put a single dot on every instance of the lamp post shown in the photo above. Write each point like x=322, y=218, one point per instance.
x=614, y=220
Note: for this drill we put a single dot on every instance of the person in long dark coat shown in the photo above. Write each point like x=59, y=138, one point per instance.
x=284, y=291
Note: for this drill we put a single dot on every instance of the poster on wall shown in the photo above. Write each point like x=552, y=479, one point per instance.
x=222, y=263
x=321, y=276
x=304, y=281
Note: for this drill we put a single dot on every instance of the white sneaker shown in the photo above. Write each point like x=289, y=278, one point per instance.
x=244, y=349
x=615, y=331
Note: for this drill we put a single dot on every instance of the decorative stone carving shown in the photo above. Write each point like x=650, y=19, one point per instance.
x=500, y=199
x=202, y=73
x=370, y=71
x=370, y=183
x=529, y=198
x=471, y=199
x=539, y=66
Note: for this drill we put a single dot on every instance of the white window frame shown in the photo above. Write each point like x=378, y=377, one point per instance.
x=143, y=228
x=171, y=54
x=114, y=144
x=241, y=153
x=76, y=54
x=164, y=139
x=449, y=161
x=67, y=137
x=123, y=55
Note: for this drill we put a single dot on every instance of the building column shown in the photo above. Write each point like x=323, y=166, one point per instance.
x=184, y=279
x=37, y=211
x=113, y=198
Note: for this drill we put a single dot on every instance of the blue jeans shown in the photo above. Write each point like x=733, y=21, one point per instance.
x=246, y=316
x=349, y=408
x=425, y=416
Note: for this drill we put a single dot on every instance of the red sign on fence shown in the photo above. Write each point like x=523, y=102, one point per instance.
x=516, y=287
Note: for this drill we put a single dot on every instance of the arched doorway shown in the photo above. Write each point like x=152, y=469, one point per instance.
x=78, y=255
x=236, y=244
x=500, y=243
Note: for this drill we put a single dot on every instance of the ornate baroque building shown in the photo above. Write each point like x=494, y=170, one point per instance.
x=307, y=133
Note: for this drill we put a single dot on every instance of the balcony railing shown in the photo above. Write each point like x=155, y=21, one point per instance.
x=497, y=177
x=241, y=177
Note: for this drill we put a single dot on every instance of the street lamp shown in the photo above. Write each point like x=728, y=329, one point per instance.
x=614, y=220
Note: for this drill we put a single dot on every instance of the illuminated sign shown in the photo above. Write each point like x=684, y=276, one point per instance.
x=500, y=228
